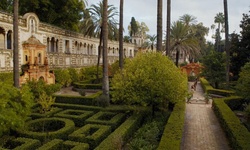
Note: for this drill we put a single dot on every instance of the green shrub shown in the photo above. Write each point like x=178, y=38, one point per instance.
x=148, y=136
x=75, y=145
x=56, y=128
x=76, y=106
x=237, y=133
x=150, y=79
x=52, y=145
x=92, y=134
x=23, y=144
x=74, y=74
x=106, y=118
x=78, y=116
x=82, y=92
x=63, y=77
x=38, y=87
x=7, y=77
x=243, y=83
x=38, y=114
x=172, y=134
x=69, y=99
x=115, y=140
x=15, y=107
x=205, y=85
x=45, y=102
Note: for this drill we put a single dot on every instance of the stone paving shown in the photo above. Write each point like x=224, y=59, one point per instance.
x=202, y=130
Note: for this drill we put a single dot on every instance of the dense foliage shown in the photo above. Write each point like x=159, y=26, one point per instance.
x=243, y=85
x=150, y=79
x=240, y=50
x=214, y=68
x=15, y=106
x=65, y=14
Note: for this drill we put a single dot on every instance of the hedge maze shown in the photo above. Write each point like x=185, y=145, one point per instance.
x=74, y=126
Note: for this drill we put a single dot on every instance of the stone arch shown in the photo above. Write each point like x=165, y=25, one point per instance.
x=41, y=78
x=2, y=38
x=32, y=21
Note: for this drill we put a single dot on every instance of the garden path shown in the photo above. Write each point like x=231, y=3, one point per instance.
x=202, y=130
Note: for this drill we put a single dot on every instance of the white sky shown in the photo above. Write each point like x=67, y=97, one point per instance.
x=203, y=10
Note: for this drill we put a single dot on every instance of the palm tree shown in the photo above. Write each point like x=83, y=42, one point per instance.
x=168, y=26
x=159, y=25
x=105, y=49
x=151, y=39
x=15, y=29
x=188, y=19
x=219, y=18
x=183, y=40
x=226, y=43
x=92, y=25
x=121, y=36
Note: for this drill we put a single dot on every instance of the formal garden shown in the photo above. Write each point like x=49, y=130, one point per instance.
x=146, y=108
x=39, y=116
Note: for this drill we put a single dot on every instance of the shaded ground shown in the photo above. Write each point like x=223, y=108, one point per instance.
x=202, y=130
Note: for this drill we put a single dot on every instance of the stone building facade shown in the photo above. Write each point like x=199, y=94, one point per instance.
x=64, y=48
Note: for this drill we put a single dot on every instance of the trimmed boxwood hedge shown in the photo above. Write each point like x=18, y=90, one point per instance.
x=76, y=106
x=205, y=85
x=36, y=115
x=210, y=90
x=75, y=145
x=92, y=134
x=24, y=144
x=106, y=118
x=236, y=103
x=236, y=132
x=62, y=133
x=122, y=133
x=87, y=86
x=84, y=100
x=172, y=134
x=78, y=116
x=55, y=144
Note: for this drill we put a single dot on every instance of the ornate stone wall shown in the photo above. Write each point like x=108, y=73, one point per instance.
x=64, y=48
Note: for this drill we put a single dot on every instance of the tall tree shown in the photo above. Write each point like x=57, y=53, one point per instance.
x=214, y=63
x=168, y=26
x=226, y=43
x=133, y=28
x=188, y=19
x=105, y=50
x=159, y=25
x=219, y=18
x=152, y=39
x=183, y=40
x=121, y=36
x=15, y=29
x=92, y=25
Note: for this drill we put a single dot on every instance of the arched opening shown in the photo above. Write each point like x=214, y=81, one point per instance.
x=52, y=45
x=9, y=40
x=2, y=37
x=39, y=58
x=48, y=41
x=41, y=78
